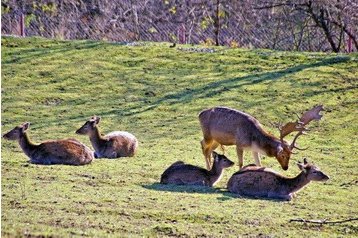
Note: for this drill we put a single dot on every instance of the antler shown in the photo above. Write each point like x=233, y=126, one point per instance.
x=289, y=127
x=293, y=146
x=312, y=114
x=300, y=124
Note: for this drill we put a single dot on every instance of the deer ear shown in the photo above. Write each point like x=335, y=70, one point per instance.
x=97, y=119
x=215, y=155
x=25, y=126
x=302, y=167
x=305, y=161
x=279, y=149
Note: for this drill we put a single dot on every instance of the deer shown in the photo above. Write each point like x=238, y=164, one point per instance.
x=180, y=173
x=256, y=181
x=50, y=152
x=115, y=144
x=226, y=126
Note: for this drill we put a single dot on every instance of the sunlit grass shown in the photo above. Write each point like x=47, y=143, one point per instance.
x=156, y=93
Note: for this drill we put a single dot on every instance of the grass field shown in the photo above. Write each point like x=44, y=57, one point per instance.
x=156, y=92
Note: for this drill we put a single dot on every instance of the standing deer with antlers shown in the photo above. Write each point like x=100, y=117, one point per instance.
x=226, y=126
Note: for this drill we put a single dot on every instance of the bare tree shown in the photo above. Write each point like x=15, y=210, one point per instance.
x=320, y=25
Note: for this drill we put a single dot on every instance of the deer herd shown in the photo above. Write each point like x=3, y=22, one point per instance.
x=221, y=126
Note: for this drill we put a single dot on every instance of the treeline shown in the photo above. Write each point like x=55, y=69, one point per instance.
x=303, y=25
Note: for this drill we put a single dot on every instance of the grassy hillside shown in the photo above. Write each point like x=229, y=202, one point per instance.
x=156, y=92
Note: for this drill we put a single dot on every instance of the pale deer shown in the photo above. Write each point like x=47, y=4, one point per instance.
x=185, y=174
x=66, y=151
x=226, y=126
x=255, y=181
x=113, y=145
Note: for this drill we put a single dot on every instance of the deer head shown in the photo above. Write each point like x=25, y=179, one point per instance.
x=89, y=126
x=312, y=172
x=17, y=132
x=285, y=151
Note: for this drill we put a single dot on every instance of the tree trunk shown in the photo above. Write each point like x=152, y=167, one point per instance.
x=320, y=21
x=217, y=23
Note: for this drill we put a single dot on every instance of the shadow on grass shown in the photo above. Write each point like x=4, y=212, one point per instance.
x=26, y=54
x=226, y=195
x=181, y=188
x=217, y=87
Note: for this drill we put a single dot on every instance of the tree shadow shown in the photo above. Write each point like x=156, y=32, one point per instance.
x=335, y=90
x=21, y=55
x=217, y=87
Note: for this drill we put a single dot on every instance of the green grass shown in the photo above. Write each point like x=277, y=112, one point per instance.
x=156, y=92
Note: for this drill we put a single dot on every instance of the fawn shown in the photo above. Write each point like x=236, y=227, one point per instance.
x=185, y=174
x=258, y=181
x=113, y=145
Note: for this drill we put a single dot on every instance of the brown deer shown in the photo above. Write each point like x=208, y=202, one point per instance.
x=67, y=151
x=113, y=145
x=255, y=181
x=226, y=126
x=185, y=174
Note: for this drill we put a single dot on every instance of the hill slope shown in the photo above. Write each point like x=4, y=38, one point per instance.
x=156, y=92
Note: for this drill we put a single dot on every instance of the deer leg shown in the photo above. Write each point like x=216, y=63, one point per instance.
x=205, y=146
x=257, y=158
x=197, y=183
x=214, y=145
x=286, y=197
x=240, y=155
x=113, y=155
x=178, y=181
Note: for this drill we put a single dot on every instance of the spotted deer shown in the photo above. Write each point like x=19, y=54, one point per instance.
x=113, y=145
x=66, y=151
x=255, y=181
x=185, y=174
x=226, y=126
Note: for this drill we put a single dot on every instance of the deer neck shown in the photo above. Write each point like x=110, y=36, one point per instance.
x=215, y=173
x=26, y=145
x=296, y=183
x=269, y=145
x=96, y=139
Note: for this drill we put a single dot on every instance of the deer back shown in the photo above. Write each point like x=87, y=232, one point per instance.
x=265, y=182
x=256, y=181
x=229, y=126
x=185, y=174
x=67, y=151
x=123, y=143
x=113, y=145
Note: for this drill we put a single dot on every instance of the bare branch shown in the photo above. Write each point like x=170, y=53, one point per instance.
x=322, y=221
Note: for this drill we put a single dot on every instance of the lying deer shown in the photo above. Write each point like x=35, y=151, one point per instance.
x=113, y=145
x=226, y=126
x=185, y=174
x=263, y=182
x=68, y=151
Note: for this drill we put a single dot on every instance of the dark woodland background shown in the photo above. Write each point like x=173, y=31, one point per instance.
x=302, y=25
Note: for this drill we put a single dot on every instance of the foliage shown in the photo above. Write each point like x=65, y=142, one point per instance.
x=156, y=92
